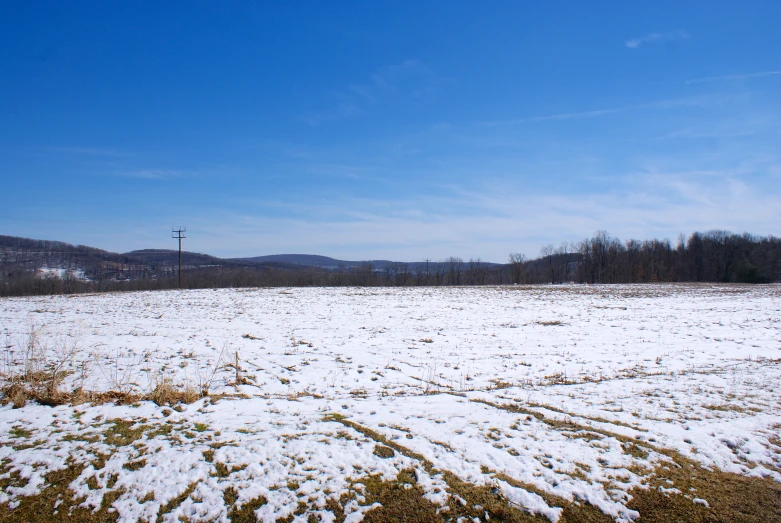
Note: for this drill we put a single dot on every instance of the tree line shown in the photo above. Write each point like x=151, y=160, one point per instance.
x=714, y=256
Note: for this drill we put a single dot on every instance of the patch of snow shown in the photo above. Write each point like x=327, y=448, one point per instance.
x=472, y=380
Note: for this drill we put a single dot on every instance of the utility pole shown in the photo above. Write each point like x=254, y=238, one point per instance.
x=179, y=234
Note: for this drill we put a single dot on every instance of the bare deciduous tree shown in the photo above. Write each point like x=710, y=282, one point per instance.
x=517, y=267
x=455, y=268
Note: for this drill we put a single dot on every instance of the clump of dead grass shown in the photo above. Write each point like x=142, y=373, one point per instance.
x=166, y=392
x=38, y=369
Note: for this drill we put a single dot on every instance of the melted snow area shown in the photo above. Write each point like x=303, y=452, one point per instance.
x=471, y=379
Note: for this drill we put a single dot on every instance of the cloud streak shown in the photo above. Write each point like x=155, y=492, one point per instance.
x=152, y=174
x=732, y=77
x=555, y=117
x=410, y=77
x=657, y=38
x=693, y=101
x=88, y=151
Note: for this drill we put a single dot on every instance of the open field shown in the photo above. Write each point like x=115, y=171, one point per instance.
x=565, y=403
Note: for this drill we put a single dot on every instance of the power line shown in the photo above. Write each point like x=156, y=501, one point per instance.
x=179, y=235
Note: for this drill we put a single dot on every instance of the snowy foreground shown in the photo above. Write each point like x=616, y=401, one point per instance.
x=528, y=391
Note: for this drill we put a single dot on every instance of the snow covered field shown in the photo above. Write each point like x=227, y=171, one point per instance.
x=545, y=396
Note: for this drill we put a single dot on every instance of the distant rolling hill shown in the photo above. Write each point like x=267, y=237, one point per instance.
x=324, y=262
x=314, y=260
x=26, y=255
x=170, y=256
x=20, y=257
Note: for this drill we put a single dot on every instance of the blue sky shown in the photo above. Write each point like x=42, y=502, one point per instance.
x=395, y=130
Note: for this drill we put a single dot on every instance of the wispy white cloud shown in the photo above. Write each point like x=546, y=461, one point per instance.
x=152, y=174
x=88, y=151
x=691, y=132
x=555, y=117
x=410, y=77
x=732, y=77
x=691, y=101
x=657, y=38
x=342, y=109
x=363, y=92
x=394, y=77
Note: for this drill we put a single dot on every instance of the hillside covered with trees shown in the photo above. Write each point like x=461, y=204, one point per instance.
x=29, y=267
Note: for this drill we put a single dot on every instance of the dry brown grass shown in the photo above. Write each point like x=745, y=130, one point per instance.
x=176, y=501
x=489, y=501
x=41, y=366
x=241, y=512
x=41, y=508
x=39, y=369
x=165, y=392
x=18, y=391
x=549, y=323
x=732, y=498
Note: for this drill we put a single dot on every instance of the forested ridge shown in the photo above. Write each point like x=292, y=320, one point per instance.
x=714, y=256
